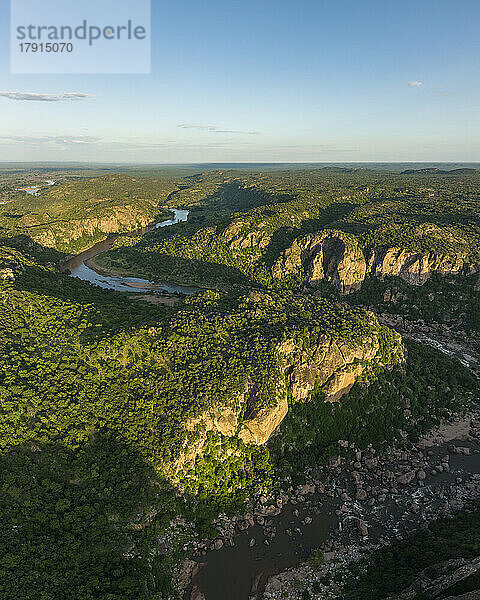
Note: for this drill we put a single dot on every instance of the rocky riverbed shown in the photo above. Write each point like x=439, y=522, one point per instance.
x=359, y=501
x=386, y=498
x=449, y=339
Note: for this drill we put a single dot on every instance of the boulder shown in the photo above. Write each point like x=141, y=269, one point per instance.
x=406, y=478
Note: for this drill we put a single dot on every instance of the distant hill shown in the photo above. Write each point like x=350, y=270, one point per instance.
x=435, y=171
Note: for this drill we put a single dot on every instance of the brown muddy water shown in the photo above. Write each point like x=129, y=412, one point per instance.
x=241, y=571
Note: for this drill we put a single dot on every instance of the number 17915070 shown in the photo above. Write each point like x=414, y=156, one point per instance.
x=46, y=47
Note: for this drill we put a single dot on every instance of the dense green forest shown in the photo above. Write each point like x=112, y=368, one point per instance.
x=72, y=216
x=80, y=358
x=117, y=416
x=95, y=392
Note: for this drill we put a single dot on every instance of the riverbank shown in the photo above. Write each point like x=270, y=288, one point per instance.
x=362, y=499
x=93, y=264
x=99, y=268
x=372, y=495
x=457, y=344
x=35, y=189
x=84, y=266
x=438, y=477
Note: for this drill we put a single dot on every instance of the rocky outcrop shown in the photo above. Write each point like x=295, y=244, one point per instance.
x=258, y=429
x=330, y=365
x=336, y=257
x=81, y=233
x=12, y=263
x=331, y=255
x=413, y=267
x=341, y=262
x=333, y=365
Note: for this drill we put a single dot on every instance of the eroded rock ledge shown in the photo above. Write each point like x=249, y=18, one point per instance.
x=328, y=363
x=337, y=257
x=62, y=234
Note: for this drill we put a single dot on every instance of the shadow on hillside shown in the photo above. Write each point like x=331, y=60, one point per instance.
x=215, y=210
x=230, y=199
x=77, y=523
x=284, y=236
x=28, y=246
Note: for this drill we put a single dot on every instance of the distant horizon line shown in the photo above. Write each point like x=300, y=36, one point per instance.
x=335, y=162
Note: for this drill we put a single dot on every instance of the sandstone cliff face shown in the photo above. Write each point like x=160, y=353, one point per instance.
x=227, y=421
x=258, y=429
x=413, y=267
x=62, y=234
x=336, y=257
x=331, y=255
x=331, y=365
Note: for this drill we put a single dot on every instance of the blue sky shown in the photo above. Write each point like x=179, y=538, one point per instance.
x=335, y=80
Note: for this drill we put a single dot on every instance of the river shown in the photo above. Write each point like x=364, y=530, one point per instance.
x=77, y=267
x=242, y=571
x=35, y=189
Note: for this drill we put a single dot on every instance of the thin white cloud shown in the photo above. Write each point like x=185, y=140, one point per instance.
x=50, y=140
x=440, y=92
x=415, y=84
x=216, y=129
x=35, y=97
x=71, y=142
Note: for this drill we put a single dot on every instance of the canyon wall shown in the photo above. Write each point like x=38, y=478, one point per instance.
x=336, y=257
x=330, y=365
x=80, y=234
